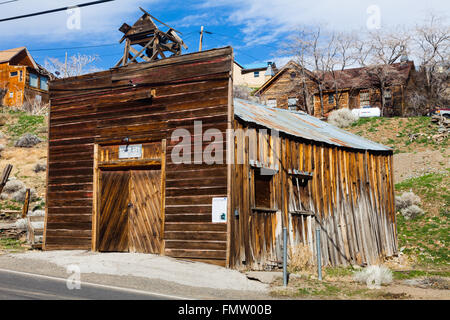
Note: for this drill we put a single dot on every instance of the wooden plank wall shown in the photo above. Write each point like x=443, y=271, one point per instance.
x=144, y=102
x=351, y=195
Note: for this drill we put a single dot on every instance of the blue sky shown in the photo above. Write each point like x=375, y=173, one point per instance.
x=256, y=29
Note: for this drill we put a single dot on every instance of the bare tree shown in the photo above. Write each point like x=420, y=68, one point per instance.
x=299, y=47
x=381, y=50
x=77, y=65
x=432, y=48
x=323, y=53
x=344, y=55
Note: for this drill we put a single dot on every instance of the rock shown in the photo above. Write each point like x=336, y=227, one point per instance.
x=2, y=147
x=13, y=185
x=19, y=195
x=264, y=277
x=21, y=224
x=37, y=213
x=38, y=167
x=28, y=140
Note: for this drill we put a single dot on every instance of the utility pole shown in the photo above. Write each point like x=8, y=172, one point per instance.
x=201, y=39
x=65, y=67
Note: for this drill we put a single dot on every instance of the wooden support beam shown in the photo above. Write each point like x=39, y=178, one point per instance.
x=135, y=52
x=5, y=176
x=159, y=20
x=139, y=54
x=126, y=52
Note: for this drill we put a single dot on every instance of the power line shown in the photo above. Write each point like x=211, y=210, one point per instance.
x=9, y=1
x=54, y=10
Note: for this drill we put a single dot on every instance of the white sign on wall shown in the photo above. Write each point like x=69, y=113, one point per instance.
x=219, y=210
x=130, y=151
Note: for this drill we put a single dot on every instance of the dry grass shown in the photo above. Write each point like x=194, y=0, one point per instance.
x=301, y=258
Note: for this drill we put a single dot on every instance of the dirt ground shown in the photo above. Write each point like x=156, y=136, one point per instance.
x=411, y=165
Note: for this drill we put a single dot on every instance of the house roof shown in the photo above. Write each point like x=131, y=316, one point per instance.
x=397, y=73
x=302, y=125
x=290, y=65
x=10, y=54
x=350, y=78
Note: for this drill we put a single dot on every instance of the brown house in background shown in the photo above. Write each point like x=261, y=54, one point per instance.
x=22, y=79
x=352, y=88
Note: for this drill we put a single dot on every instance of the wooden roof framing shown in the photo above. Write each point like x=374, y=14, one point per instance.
x=154, y=43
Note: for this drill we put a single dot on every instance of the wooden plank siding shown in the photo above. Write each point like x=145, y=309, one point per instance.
x=351, y=197
x=144, y=103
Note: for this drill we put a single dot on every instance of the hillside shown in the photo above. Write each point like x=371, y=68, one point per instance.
x=14, y=124
x=422, y=166
x=417, y=150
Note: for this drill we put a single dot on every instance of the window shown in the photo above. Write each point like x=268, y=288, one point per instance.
x=263, y=190
x=13, y=74
x=388, y=96
x=331, y=99
x=272, y=103
x=256, y=74
x=33, y=80
x=299, y=195
x=364, y=99
x=292, y=104
x=293, y=75
x=44, y=83
x=21, y=76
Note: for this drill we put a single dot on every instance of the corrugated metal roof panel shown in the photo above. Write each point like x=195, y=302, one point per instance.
x=301, y=125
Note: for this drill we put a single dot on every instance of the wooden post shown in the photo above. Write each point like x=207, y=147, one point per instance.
x=26, y=204
x=5, y=176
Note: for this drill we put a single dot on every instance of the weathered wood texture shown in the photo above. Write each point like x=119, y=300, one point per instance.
x=351, y=196
x=145, y=103
x=145, y=220
x=114, y=214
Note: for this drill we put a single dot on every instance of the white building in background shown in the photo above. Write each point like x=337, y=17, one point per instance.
x=253, y=75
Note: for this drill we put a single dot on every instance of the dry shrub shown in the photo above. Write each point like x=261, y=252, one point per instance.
x=373, y=276
x=411, y=212
x=28, y=140
x=408, y=205
x=301, y=258
x=342, y=118
x=406, y=200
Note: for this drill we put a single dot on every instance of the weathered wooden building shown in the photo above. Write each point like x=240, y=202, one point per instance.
x=294, y=87
x=115, y=183
x=22, y=79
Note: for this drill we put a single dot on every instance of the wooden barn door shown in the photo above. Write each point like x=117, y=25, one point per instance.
x=145, y=222
x=130, y=211
x=113, y=222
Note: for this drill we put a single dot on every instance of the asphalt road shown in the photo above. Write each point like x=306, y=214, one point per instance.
x=25, y=286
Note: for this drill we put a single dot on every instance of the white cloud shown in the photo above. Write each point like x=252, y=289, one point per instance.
x=98, y=21
x=264, y=20
x=196, y=20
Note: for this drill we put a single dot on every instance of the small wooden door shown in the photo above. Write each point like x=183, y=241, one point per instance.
x=113, y=222
x=130, y=211
x=145, y=222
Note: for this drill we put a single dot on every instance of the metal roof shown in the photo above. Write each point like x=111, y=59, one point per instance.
x=301, y=125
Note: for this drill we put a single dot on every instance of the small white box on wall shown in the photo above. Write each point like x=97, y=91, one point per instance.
x=219, y=210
